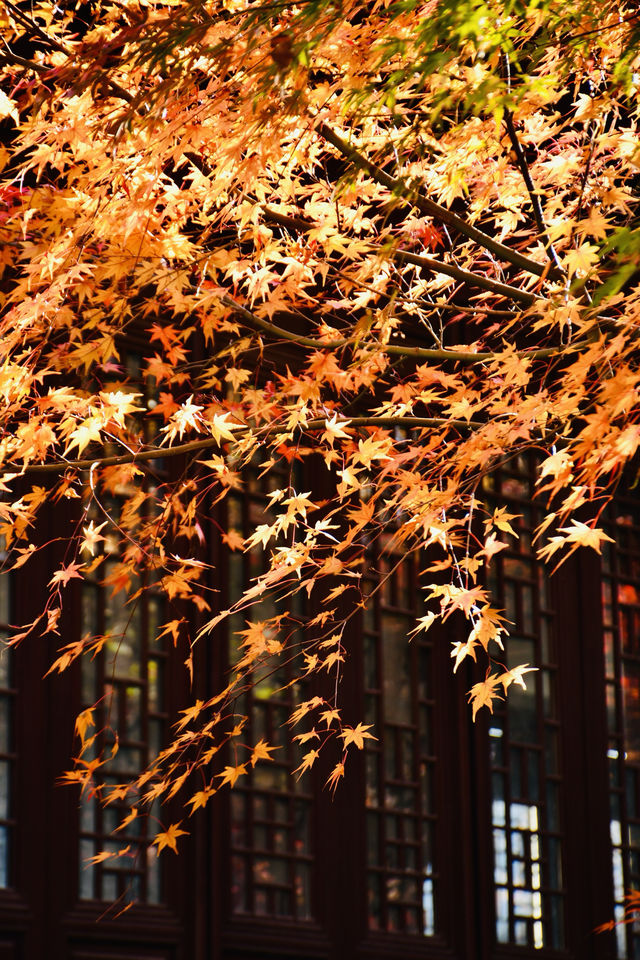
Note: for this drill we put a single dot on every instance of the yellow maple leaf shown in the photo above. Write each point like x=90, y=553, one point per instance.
x=329, y=716
x=221, y=429
x=91, y=537
x=515, y=675
x=483, y=694
x=357, y=735
x=461, y=651
x=334, y=430
x=585, y=536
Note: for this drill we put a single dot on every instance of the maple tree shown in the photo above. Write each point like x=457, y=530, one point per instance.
x=395, y=240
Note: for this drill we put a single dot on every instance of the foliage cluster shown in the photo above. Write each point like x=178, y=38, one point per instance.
x=395, y=239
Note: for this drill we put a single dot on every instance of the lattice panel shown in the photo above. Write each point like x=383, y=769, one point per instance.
x=524, y=735
x=401, y=819
x=7, y=746
x=128, y=680
x=621, y=621
x=271, y=860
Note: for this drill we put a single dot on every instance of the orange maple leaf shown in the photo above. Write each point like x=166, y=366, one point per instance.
x=335, y=776
x=261, y=751
x=230, y=774
x=169, y=838
x=67, y=573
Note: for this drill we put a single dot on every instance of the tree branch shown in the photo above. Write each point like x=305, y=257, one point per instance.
x=193, y=446
x=304, y=226
x=430, y=207
x=417, y=353
x=430, y=263
x=465, y=276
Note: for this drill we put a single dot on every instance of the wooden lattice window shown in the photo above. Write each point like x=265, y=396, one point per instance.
x=524, y=734
x=7, y=754
x=271, y=861
x=127, y=681
x=621, y=621
x=400, y=766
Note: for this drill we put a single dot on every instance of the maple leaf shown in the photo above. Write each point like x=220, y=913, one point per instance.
x=201, y=798
x=194, y=710
x=335, y=776
x=84, y=720
x=221, y=429
x=169, y=838
x=107, y=855
x=483, y=694
x=370, y=450
x=304, y=737
x=334, y=657
x=583, y=535
x=92, y=537
x=8, y=108
x=357, y=735
x=500, y=519
x=89, y=431
x=334, y=430
x=304, y=709
x=580, y=261
x=458, y=598
x=186, y=417
x=329, y=716
x=173, y=628
x=307, y=762
x=65, y=574
x=515, y=675
x=233, y=539
x=261, y=751
x=423, y=623
x=462, y=650
x=492, y=546
x=131, y=816
x=230, y=774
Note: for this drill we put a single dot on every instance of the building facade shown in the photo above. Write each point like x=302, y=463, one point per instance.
x=511, y=837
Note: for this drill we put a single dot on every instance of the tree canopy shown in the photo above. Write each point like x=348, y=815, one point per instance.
x=396, y=240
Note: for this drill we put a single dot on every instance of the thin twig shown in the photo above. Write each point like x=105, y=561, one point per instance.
x=533, y=195
x=417, y=353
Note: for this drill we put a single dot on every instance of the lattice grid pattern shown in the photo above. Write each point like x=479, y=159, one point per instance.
x=271, y=860
x=621, y=621
x=7, y=754
x=524, y=734
x=401, y=819
x=127, y=680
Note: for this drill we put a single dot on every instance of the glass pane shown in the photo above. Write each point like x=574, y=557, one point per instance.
x=527, y=842
x=400, y=765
